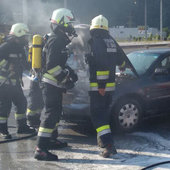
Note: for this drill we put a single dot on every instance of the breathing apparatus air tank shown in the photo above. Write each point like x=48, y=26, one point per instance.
x=36, y=51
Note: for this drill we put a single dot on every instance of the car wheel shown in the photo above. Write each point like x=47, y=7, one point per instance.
x=127, y=115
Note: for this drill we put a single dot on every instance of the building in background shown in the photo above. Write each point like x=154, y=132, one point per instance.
x=124, y=33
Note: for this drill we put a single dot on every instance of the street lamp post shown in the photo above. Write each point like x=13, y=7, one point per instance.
x=161, y=19
x=146, y=19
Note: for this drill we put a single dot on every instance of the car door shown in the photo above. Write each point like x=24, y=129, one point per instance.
x=158, y=92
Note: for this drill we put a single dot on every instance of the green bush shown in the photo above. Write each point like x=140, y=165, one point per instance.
x=168, y=38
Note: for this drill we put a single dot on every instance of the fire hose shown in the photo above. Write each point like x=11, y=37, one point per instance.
x=156, y=164
x=19, y=138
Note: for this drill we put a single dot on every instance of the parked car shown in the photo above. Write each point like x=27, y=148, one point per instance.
x=139, y=94
x=142, y=90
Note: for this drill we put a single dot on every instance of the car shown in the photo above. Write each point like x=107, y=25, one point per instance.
x=142, y=90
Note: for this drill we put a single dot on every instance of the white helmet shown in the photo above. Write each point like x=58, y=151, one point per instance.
x=19, y=30
x=62, y=16
x=99, y=22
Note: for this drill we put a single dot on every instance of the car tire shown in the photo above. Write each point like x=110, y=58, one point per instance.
x=127, y=115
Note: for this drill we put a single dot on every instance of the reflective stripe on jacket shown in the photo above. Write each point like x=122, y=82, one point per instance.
x=3, y=120
x=55, y=71
x=108, y=87
x=102, y=75
x=4, y=80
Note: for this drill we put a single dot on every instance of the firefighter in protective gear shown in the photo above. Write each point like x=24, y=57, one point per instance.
x=56, y=79
x=102, y=59
x=12, y=64
x=35, y=102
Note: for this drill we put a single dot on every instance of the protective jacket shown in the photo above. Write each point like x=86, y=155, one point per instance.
x=12, y=62
x=55, y=52
x=105, y=55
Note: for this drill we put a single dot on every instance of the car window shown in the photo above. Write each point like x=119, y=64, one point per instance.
x=142, y=60
x=165, y=63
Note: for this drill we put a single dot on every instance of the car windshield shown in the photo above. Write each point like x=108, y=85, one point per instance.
x=142, y=60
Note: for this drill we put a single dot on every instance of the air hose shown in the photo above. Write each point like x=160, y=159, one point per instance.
x=156, y=164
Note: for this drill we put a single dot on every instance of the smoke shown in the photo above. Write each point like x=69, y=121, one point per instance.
x=35, y=13
x=80, y=43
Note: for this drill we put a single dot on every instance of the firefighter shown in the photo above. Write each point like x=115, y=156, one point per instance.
x=102, y=59
x=12, y=64
x=56, y=79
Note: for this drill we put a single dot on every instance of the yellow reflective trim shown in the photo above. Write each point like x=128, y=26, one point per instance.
x=19, y=115
x=3, y=62
x=102, y=73
x=41, y=129
x=48, y=76
x=55, y=69
x=3, y=118
x=2, y=78
x=58, y=21
x=57, y=124
x=66, y=25
x=100, y=27
x=93, y=84
x=110, y=84
x=33, y=111
x=107, y=84
x=103, y=128
x=123, y=64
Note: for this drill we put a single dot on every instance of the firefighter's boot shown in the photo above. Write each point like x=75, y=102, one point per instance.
x=55, y=143
x=34, y=121
x=44, y=155
x=25, y=129
x=4, y=131
x=109, y=150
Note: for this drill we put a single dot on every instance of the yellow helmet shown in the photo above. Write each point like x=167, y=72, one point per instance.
x=62, y=16
x=99, y=22
x=19, y=30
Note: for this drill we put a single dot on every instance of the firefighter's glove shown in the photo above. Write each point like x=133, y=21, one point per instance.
x=72, y=75
x=63, y=77
x=69, y=84
x=101, y=91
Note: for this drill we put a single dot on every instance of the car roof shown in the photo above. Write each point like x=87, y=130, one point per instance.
x=157, y=50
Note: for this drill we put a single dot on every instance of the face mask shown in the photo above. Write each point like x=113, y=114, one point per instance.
x=70, y=30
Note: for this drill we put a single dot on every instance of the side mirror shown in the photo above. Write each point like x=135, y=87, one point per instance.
x=161, y=71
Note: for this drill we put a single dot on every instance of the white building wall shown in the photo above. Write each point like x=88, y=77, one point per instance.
x=123, y=33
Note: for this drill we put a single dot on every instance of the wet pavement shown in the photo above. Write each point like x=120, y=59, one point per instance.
x=149, y=144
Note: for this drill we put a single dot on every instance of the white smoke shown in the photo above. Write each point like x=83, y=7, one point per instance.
x=80, y=43
x=35, y=13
